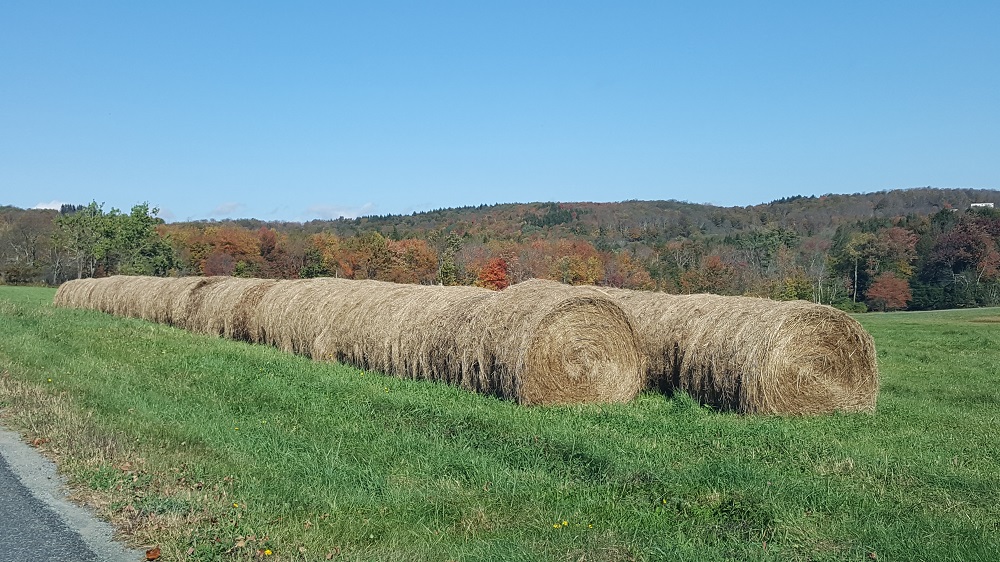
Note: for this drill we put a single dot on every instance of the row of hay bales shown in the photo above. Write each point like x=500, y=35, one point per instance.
x=536, y=342
x=532, y=344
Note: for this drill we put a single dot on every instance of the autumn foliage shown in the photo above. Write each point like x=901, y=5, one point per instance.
x=494, y=275
x=848, y=251
x=889, y=292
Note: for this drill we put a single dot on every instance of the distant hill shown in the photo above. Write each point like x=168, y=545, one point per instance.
x=649, y=221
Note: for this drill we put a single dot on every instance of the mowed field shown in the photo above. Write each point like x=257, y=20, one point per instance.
x=220, y=450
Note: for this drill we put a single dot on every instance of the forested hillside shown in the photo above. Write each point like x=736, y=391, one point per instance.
x=918, y=248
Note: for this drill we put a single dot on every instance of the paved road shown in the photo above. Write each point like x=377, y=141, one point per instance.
x=37, y=523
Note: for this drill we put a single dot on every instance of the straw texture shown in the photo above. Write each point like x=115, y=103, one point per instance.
x=534, y=343
x=754, y=355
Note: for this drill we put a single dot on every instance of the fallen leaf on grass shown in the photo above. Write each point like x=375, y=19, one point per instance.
x=153, y=553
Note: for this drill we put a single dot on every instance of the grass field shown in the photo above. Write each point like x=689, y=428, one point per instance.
x=219, y=450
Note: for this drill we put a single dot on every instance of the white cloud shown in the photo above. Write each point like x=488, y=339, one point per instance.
x=321, y=211
x=167, y=215
x=55, y=205
x=417, y=208
x=226, y=209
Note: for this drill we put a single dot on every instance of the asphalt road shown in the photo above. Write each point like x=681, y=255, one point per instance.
x=37, y=523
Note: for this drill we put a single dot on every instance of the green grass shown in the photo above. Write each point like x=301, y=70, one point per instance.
x=168, y=430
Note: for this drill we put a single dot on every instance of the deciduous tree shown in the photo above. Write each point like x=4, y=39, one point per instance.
x=494, y=275
x=888, y=292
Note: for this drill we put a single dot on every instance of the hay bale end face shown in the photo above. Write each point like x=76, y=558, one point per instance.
x=571, y=345
x=755, y=355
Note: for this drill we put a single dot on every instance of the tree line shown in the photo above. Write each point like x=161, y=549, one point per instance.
x=854, y=256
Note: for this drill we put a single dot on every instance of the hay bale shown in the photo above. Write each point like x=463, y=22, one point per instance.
x=107, y=295
x=156, y=302
x=126, y=295
x=754, y=355
x=571, y=344
x=218, y=306
x=289, y=315
x=121, y=295
x=406, y=330
x=245, y=313
x=183, y=296
x=74, y=294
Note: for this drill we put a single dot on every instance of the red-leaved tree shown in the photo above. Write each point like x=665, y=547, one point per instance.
x=494, y=275
x=889, y=292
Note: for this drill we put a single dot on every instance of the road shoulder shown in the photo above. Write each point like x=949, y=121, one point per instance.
x=39, y=477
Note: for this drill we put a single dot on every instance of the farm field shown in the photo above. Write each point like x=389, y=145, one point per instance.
x=220, y=450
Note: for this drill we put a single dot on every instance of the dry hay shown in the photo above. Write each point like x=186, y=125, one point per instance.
x=289, y=314
x=755, y=355
x=578, y=343
x=74, y=294
x=243, y=321
x=217, y=306
x=157, y=299
x=157, y=296
x=535, y=343
x=97, y=294
x=532, y=346
x=133, y=296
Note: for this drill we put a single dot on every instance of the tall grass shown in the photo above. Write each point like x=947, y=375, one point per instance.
x=222, y=450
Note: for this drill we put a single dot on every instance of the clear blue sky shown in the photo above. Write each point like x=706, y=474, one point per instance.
x=294, y=111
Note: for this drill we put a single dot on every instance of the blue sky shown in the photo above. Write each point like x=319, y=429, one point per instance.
x=304, y=110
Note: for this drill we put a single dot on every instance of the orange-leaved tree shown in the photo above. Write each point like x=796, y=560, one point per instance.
x=411, y=261
x=494, y=275
x=889, y=292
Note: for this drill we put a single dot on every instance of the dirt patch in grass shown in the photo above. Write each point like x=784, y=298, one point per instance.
x=987, y=320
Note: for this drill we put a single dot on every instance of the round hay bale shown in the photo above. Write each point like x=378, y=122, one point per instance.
x=129, y=295
x=154, y=302
x=179, y=296
x=74, y=294
x=754, y=355
x=568, y=344
x=121, y=295
x=289, y=315
x=244, y=314
x=187, y=303
x=400, y=329
x=222, y=306
x=108, y=296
